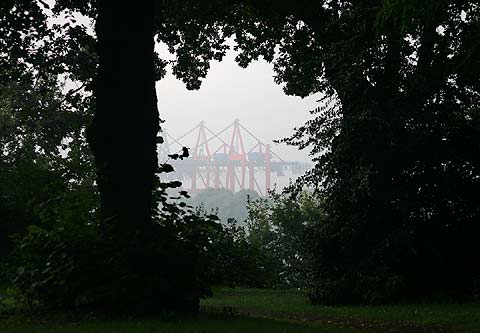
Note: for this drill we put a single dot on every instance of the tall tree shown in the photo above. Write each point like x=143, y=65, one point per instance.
x=124, y=130
x=395, y=138
x=123, y=134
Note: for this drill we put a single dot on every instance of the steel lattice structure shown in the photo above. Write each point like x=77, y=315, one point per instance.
x=216, y=162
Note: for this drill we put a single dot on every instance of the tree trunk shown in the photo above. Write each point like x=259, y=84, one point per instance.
x=123, y=133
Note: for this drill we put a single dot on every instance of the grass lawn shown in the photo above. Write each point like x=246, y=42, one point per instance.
x=292, y=303
x=252, y=310
x=199, y=324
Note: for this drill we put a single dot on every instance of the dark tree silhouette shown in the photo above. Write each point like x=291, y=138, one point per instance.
x=124, y=130
x=395, y=137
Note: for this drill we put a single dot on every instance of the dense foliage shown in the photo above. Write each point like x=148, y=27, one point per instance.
x=395, y=141
x=45, y=168
x=278, y=226
x=396, y=144
x=269, y=250
x=83, y=266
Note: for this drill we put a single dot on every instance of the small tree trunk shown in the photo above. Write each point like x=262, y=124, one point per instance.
x=123, y=133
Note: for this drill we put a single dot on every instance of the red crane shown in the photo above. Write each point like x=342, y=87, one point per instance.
x=219, y=162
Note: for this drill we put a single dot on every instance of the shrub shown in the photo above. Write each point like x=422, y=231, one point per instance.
x=351, y=264
x=231, y=259
x=81, y=266
x=278, y=226
x=355, y=288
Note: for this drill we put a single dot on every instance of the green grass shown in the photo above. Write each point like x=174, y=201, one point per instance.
x=252, y=310
x=199, y=324
x=459, y=315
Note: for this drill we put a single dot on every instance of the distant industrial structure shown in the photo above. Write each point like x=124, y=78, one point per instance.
x=225, y=160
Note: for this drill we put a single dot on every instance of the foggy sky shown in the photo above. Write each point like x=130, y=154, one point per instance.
x=231, y=92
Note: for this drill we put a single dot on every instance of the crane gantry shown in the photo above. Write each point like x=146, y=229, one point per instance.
x=224, y=160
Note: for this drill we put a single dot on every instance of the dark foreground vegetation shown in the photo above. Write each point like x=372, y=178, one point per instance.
x=389, y=214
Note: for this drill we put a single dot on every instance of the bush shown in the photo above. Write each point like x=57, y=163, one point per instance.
x=355, y=288
x=80, y=266
x=236, y=261
x=267, y=252
x=358, y=264
x=278, y=226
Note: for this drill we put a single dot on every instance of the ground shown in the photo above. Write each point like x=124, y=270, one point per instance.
x=291, y=305
x=252, y=310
